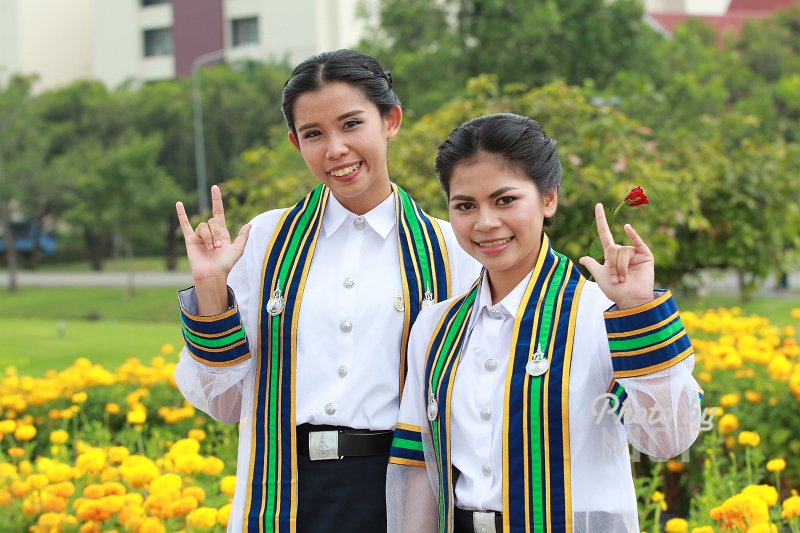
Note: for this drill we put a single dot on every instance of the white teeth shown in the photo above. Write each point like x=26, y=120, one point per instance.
x=346, y=170
x=492, y=244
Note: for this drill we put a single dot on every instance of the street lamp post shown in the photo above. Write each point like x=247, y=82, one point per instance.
x=199, y=135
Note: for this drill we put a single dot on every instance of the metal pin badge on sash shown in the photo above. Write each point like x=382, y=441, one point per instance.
x=275, y=303
x=433, y=407
x=538, y=365
x=427, y=300
x=398, y=303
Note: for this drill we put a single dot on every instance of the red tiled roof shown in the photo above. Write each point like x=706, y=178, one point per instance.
x=732, y=22
x=760, y=5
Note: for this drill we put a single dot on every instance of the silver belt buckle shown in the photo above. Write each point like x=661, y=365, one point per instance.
x=323, y=445
x=483, y=521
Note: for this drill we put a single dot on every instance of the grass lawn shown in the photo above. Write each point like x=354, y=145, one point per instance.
x=157, y=304
x=37, y=345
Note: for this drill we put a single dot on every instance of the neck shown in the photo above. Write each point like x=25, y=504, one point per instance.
x=364, y=203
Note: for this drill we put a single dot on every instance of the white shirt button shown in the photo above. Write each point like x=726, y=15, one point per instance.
x=486, y=470
x=359, y=223
x=490, y=365
x=486, y=413
x=330, y=408
x=343, y=371
x=494, y=313
x=346, y=326
x=348, y=283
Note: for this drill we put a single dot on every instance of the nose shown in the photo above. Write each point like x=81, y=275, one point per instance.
x=336, y=147
x=487, y=220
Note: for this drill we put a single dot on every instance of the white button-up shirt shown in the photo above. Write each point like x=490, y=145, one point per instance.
x=348, y=338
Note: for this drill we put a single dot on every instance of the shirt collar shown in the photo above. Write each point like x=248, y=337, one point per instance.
x=508, y=305
x=381, y=219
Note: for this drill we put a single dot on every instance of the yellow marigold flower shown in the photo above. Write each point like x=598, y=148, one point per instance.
x=15, y=452
x=796, y=312
x=703, y=529
x=152, y=525
x=228, y=484
x=25, y=433
x=195, y=492
x=38, y=481
x=92, y=460
x=138, y=471
x=676, y=466
x=112, y=408
x=752, y=396
x=204, y=517
x=185, y=447
x=749, y=438
x=32, y=505
x=79, y=397
x=705, y=377
x=117, y=454
x=113, y=488
x=5, y=497
x=167, y=348
x=213, y=465
x=676, y=525
x=90, y=527
x=137, y=416
x=62, y=489
x=197, y=434
x=791, y=507
x=7, y=426
x=657, y=496
x=223, y=514
x=729, y=400
x=25, y=467
x=59, y=436
x=776, y=465
x=768, y=493
x=728, y=423
x=95, y=491
x=169, y=483
x=180, y=507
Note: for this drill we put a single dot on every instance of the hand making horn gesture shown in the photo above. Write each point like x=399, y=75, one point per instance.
x=628, y=272
x=211, y=252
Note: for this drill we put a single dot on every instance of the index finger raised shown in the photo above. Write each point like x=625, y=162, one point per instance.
x=217, y=209
x=603, y=231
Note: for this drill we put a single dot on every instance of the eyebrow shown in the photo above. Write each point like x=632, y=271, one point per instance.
x=495, y=194
x=343, y=116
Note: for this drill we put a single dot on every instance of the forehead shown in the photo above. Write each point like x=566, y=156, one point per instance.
x=485, y=174
x=330, y=102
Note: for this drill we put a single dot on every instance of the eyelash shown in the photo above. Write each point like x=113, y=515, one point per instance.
x=502, y=202
x=348, y=125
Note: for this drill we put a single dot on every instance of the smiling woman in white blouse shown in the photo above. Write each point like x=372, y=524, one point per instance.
x=523, y=393
x=298, y=328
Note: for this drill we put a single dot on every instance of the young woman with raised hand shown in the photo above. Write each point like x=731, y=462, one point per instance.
x=297, y=329
x=508, y=399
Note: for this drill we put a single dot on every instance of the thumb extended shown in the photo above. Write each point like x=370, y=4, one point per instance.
x=241, y=239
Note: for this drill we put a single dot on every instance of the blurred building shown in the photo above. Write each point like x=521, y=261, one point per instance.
x=721, y=15
x=120, y=41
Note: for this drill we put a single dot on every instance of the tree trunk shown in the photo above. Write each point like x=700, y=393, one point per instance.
x=11, y=255
x=95, y=248
x=130, y=265
x=170, y=244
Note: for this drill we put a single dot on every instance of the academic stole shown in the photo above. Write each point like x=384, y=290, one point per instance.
x=536, y=462
x=271, y=504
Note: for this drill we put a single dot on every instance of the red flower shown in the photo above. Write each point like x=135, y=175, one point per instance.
x=636, y=197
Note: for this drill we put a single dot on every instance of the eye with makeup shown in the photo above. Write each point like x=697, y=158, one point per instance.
x=311, y=134
x=505, y=200
x=464, y=206
x=352, y=123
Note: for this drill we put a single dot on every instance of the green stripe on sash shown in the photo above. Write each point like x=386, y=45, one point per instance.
x=618, y=345
x=419, y=241
x=407, y=444
x=215, y=343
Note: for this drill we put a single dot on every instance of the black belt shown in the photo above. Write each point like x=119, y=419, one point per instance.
x=464, y=521
x=335, y=442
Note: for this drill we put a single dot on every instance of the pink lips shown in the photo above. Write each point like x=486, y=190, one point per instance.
x=493, y=250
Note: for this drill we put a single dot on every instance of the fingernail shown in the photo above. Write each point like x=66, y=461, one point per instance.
x=210, y=247
x=218, y=243
x=622, y=280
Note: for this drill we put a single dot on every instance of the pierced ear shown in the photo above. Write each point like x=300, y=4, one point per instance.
x=393, y=121
x=550, y=203
x=295, y=142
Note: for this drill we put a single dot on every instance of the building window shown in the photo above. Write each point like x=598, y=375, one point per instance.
x=146, y=3
x=245, y=31
x=158, y=42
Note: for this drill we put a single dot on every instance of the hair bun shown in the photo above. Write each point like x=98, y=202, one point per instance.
x=388, y=77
